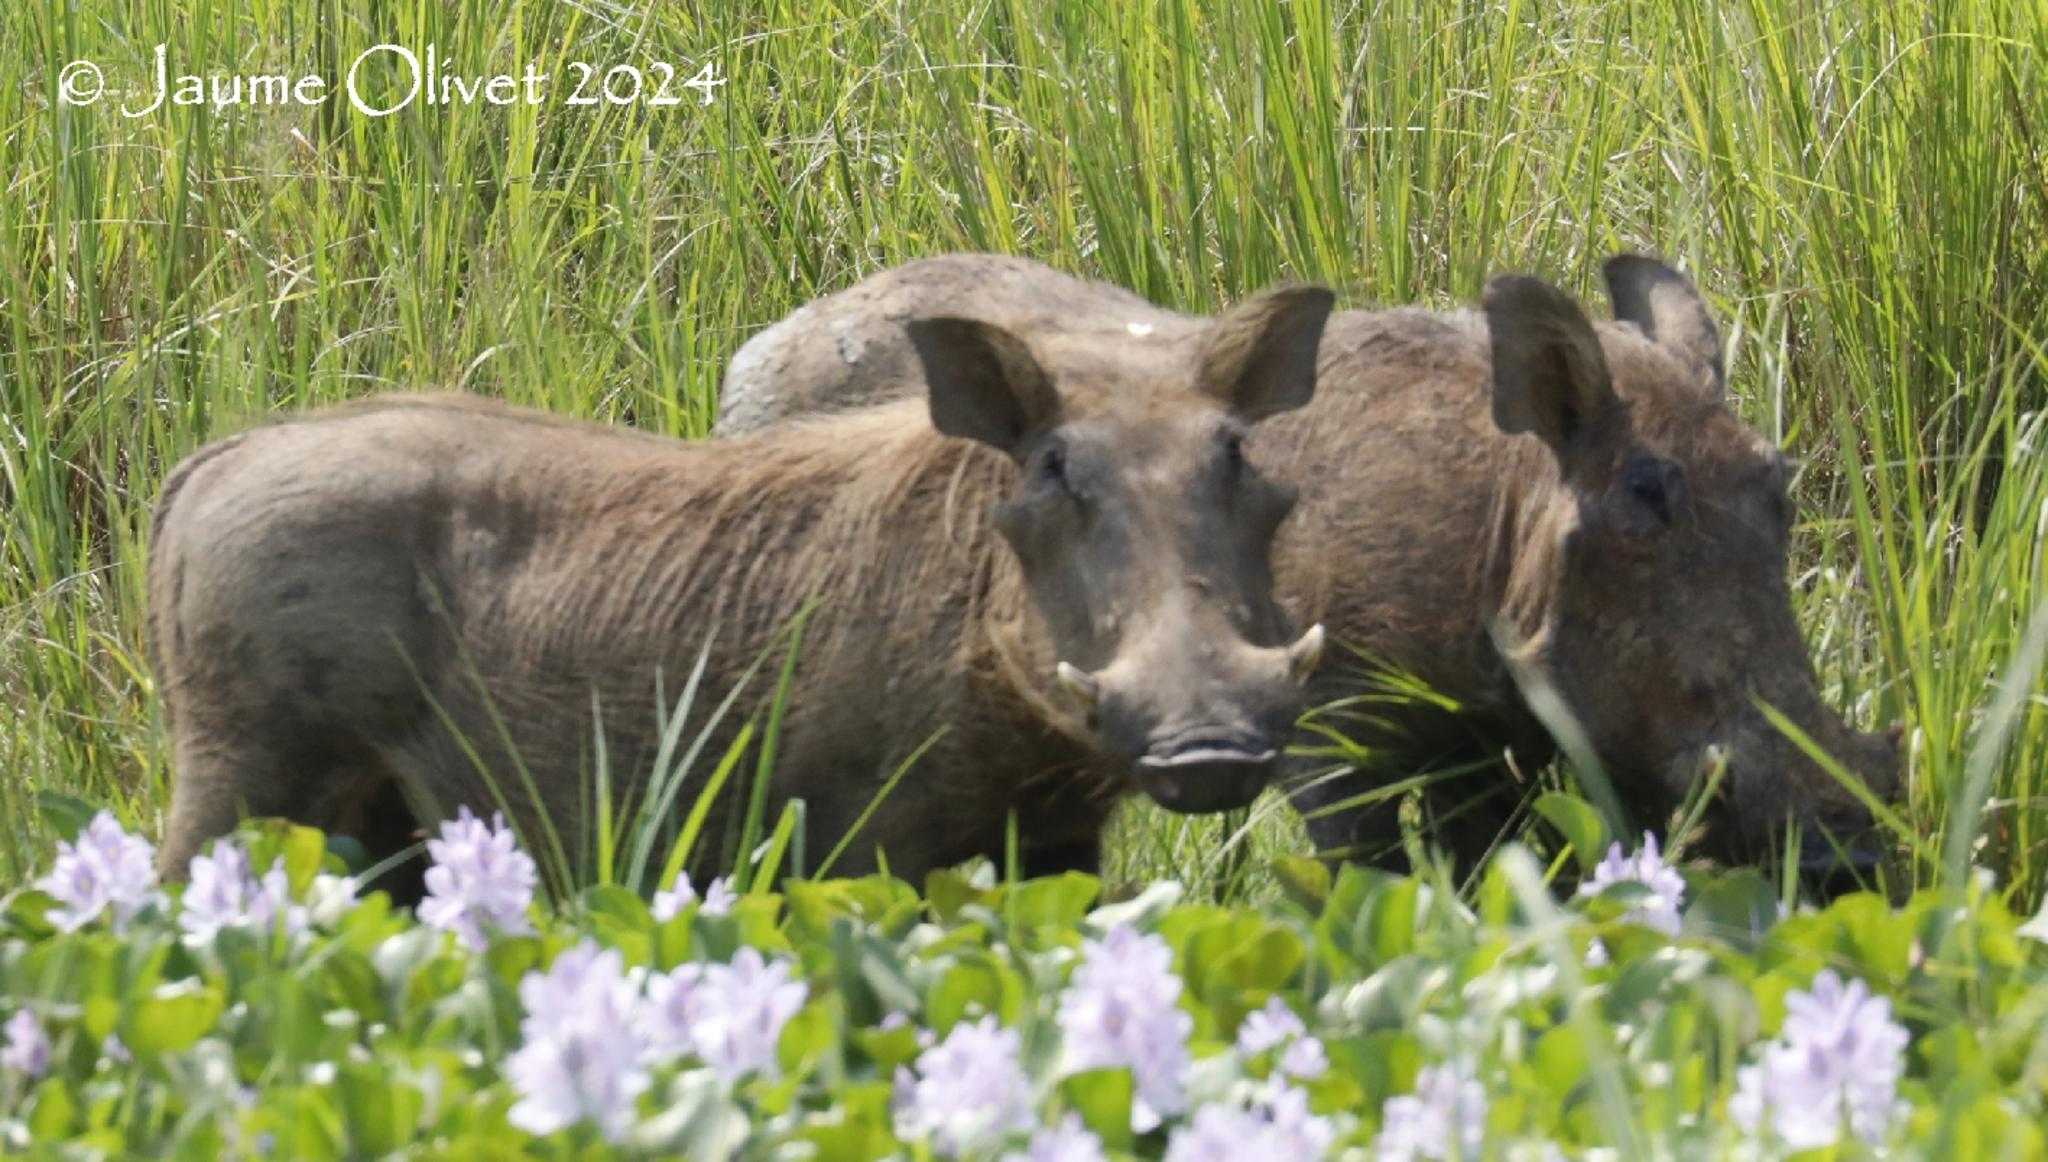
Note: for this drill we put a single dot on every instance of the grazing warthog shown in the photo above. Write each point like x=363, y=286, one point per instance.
x=1493, y=492
x=409, y=591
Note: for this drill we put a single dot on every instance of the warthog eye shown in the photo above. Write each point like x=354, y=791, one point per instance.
x=1052, y=467
x=1780, y=512
x=1233, y=452
x=1650, y=482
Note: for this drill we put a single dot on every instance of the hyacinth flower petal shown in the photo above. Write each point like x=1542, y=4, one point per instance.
x=1121, y=1010
x=104, y=870
x=1646, y=867
x=582, y=1049
x=968, y=1092
x=1835, y=1064
x=1444, y=1118
x=479, y=877
x=27, y=1049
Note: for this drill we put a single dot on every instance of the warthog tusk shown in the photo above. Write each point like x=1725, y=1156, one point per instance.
x=1303, y=656
x=1715, y=758
x=1079, y=683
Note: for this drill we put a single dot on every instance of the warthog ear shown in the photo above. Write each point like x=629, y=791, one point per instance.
x=984, y=382
x=1664, y=304
x=1259, y=357
x=1548, y=374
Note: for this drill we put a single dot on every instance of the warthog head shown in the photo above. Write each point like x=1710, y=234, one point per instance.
x=1652, y=580
x=1144, y=532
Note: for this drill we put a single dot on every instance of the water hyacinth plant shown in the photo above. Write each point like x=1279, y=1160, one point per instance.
x=1301, y=1055
x=1836, y=1064
x=1067, y=1141
x=479, y=876
x=1277, y=1126
x=1444, y=1118
x=717, y=900
x=969, y=1092
x=222, y=891
x=738, y=1012
x=1664, y=888
x=1370, y=1017
x=582, y=1046
x=1121, y=1011
x=1659, y=909
x=27, y=1048
x=104, y=870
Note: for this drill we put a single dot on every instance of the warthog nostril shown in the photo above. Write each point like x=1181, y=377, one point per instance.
x=1853, y=858
x=1835, y=861
x=1080, y=684
x=1199, y=772
x=1305, y=655
x=1195, y=749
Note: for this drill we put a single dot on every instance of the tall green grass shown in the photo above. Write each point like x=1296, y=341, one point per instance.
x=1861, y=187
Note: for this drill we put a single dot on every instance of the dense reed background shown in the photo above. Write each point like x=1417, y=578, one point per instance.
x=1861, y=187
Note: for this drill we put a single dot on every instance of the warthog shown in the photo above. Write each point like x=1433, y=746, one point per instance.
x=1497, y=502
x=420, y=592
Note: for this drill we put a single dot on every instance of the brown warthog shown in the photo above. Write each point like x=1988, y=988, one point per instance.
x=414, y=591
x=1581, y=495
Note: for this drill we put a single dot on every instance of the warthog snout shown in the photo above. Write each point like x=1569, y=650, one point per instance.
x=1206, y=775
x=1845, y=837
x=1772, y=788
x=1203, y=733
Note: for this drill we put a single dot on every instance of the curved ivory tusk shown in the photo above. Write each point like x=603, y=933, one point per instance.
x=1079, y=683
x=1304, y=655
x=1715, y=758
